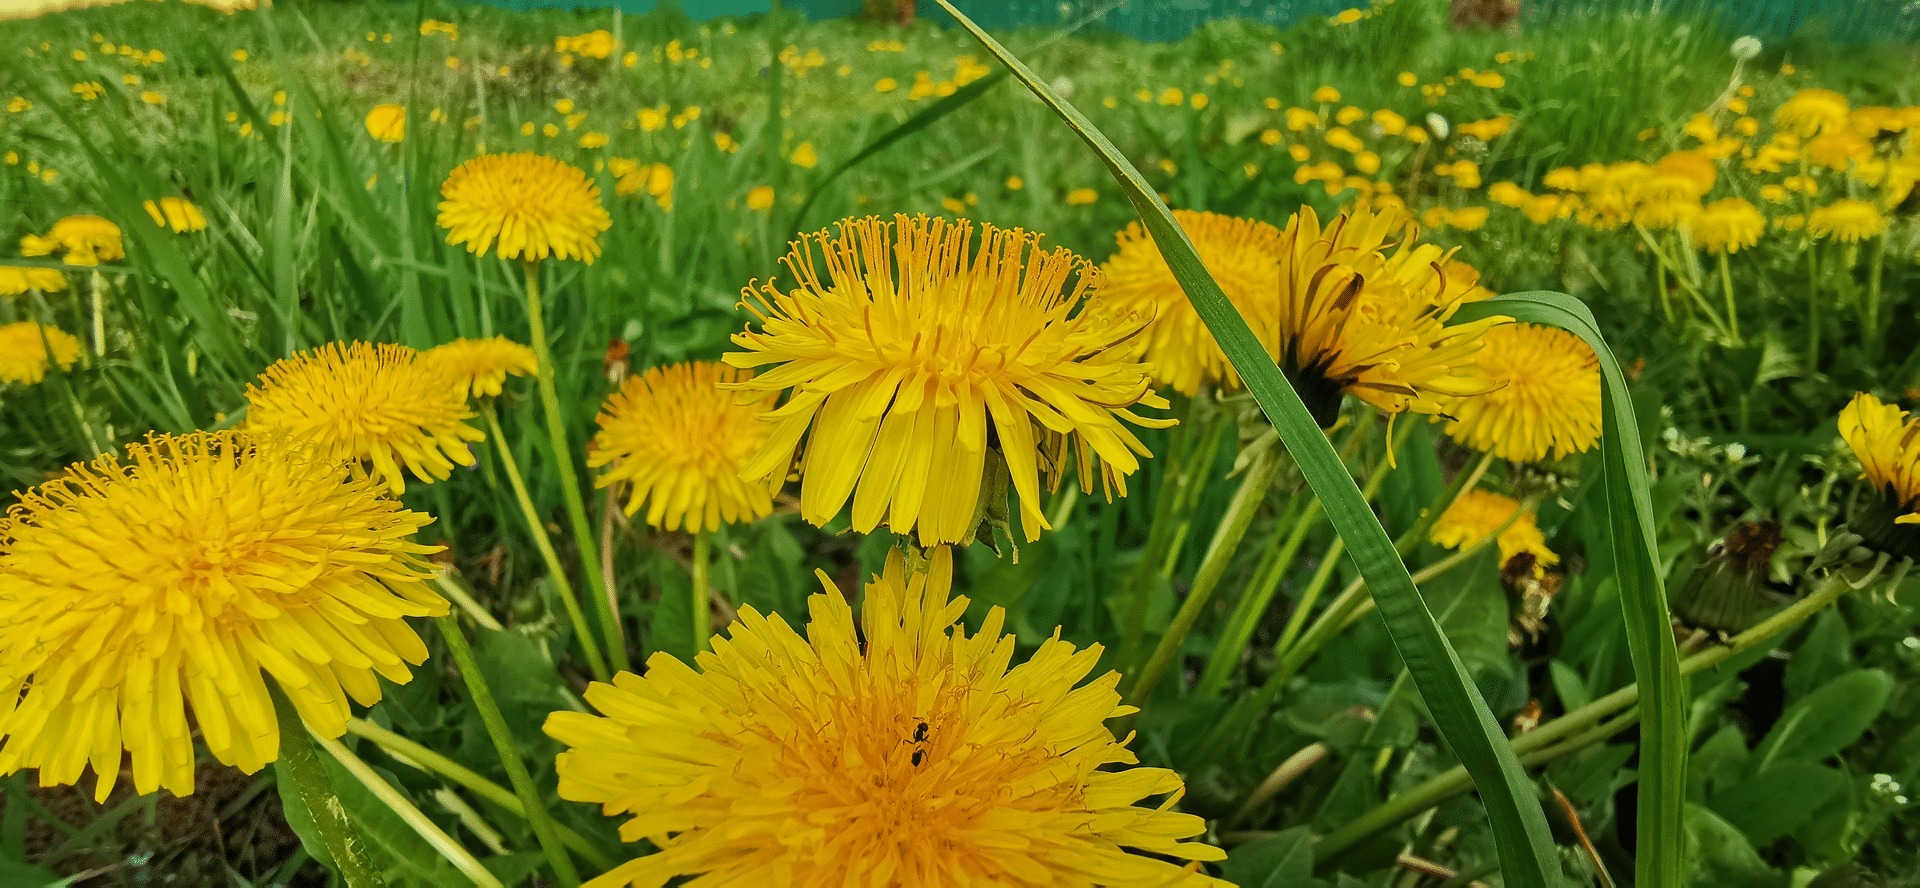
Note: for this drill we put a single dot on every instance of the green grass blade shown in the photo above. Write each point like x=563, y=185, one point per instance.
x=1519, y=828
x=1643, y=598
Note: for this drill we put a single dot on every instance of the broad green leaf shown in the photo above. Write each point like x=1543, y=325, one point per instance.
x=1775, y=802
x=1519, y=827
x=1825, y=721
x=1643, y=597
x=1282, y=860
x=1722, y=856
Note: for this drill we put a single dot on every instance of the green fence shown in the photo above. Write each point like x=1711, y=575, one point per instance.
x=1846, y=21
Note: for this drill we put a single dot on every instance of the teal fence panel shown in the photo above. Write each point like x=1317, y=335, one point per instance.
x=1845, y=21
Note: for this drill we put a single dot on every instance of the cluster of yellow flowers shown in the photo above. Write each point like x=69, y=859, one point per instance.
x=593, y=45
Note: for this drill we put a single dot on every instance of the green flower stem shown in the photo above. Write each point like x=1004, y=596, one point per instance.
x=564, y=873
x=568, y=598
x=1226, y=540
x=1872, y=311
x=570, y=480
x=1813, y=309
x=1238, y=631
x=94, y=286
x=1133, y=605
x=702, y=610
x=1462, y=482
x=459, y=595
x=344, y=842
x=425, y=759
x=1324, y=574
x=1686, y=284
x=1726, y=287
x=461, y=859
x=1576, y=730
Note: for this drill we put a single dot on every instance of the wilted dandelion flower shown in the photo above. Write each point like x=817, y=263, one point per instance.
x=1478, y=513
x=681, y=441
x=1548, y=400
x=530, y=205
x=916, y=357
x=1887, y=443
x=17, y=280
x=81, y=240
x=176, y=213
x=132, y=589
x=1355, y=318
x=362, y=402
x=895, y=751
x=479, y=367
x=1242, y=255
x=1728, y=225
x=1847, y=220
x=388, y=122
x=1811, y=112
x=24, y=347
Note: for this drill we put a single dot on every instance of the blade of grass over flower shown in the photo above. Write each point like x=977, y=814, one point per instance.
x=1519, y=826
x=1643, y=597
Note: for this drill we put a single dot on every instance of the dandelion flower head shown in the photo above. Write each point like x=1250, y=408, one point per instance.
x=18, y=280
x=1811, y=112
x=1847, y=220
x=1728, y=225
x=1547, y=401
x=915, y=358
x=25, y=346
x=81, y=240
x=681, y=441
x=900, y=752
x=132, y=589
x=177, y=214
x=387, y=122
x=1478, y=513
x=480, y=366
x=1887, y=442
x=1242, y=255
x=358, y=402
x=523, y=206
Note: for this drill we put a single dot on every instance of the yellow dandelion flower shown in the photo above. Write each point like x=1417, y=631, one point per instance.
x=366, y=403
x=897, y=750
x=1887, y=443
x=681, y=441
x=82, y=240
x=1407, y=78
x=805, y=157
x=17, y=280
x=1487, y=130
x=760, y=198
x=1389, y=122
x=1080, y=197
x=1847, y=220
x=388, y=122
x=479, y=367
x=1837, y=149
x=176, y=213
x=1326, y=95
x=1548, y=400
x=1728, y=225
x=1479, y=513
x=911, y=344
x=24, y=347
x=1811, y=112
x=1243, y=255
x=1508, y=194
x=531, y=205
x=656, y=179
x=184, y=576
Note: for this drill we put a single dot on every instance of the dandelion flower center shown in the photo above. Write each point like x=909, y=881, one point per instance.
x=903, y=753
x=132, y=589
x=531, y=206
x=681, y=442
x=915, y=354
x=363, y=402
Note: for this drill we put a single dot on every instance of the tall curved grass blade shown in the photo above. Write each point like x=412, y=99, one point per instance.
x=1658, y=853
x=1519, y=827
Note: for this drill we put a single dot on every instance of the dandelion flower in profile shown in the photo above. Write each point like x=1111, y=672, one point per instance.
x=1811, y=112
x=1478, y=513
x=480, y=366
x=176, y=213
x=681, y=441
x=1728, y=225
x=1547, y=401
x=131, y=589
x=358, y=402
x=523, y=206
x=388, y=123
x=1242, y=255
x=18, y=280
x=923, y=369
x=1887, y=442
x=24, y=347
x=1847, y=220
x=900, y=751
x=81, y=240
x=1363, y=313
